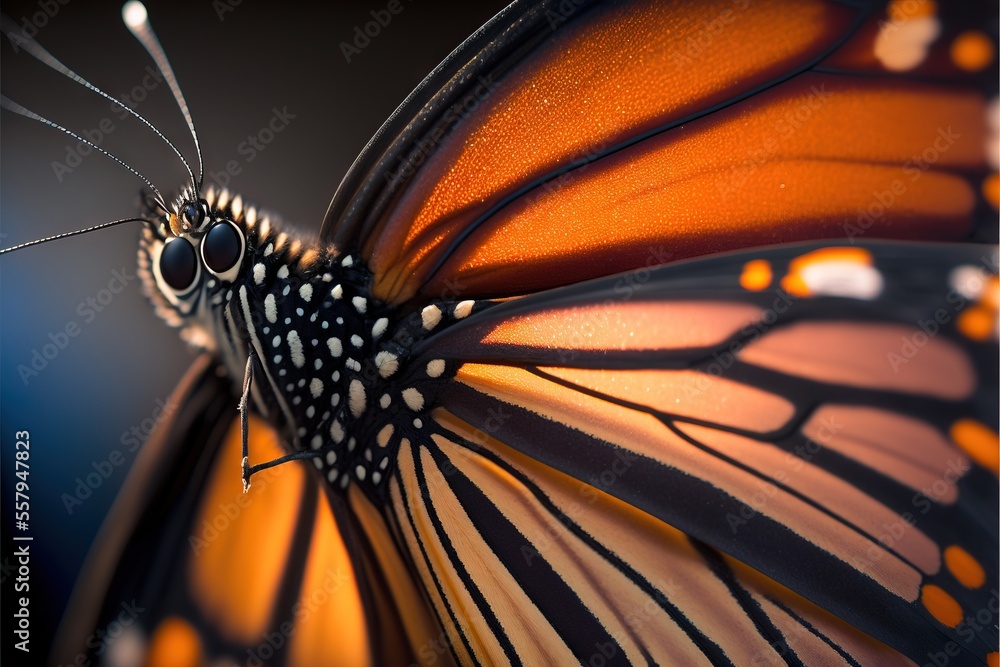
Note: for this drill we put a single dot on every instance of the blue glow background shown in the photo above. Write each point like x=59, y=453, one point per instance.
x=233, y=72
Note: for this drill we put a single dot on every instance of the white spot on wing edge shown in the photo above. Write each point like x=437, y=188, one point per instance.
x=430, y=316
x=847, y=279
x=968, y=281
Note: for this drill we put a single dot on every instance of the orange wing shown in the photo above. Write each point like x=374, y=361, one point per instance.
x=630, y=134
x=785, y=455
x=192, y=571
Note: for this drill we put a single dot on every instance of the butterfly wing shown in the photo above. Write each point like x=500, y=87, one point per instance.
x=189, y=570
x=712, y=126
x=788, y=455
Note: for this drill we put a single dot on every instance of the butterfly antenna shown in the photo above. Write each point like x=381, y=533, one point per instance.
x=9, y=28
x=11, y=105
x=137, y=19
x=74, y=233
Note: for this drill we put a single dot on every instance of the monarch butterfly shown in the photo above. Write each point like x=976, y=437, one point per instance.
x=755, y=401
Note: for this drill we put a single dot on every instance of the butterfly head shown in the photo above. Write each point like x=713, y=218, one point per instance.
x=191, y=252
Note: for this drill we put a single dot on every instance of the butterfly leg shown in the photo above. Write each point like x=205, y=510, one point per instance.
x=244, y=417
x=244, y=408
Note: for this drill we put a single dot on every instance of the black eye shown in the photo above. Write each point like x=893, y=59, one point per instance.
x=178, y=264
x=193, y=215
x=222, y=247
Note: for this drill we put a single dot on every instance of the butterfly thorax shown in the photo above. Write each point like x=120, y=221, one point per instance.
x=330, y=367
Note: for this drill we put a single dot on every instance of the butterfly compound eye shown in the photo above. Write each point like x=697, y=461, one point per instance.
x=178, y=264
x=222, y=247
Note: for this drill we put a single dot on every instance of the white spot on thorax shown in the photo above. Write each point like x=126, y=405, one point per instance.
x=414, y=399
x=336, y=347
x=316, y=387
x=270, y=309
x=356, y=398
x=387, y=363
x=295, y=347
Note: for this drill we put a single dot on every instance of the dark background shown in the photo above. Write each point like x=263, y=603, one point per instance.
x=233, y=71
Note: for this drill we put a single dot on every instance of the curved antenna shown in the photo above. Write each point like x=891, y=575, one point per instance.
x=64, y=235
x=35, y=49
x=11, y=105
x=137, y=19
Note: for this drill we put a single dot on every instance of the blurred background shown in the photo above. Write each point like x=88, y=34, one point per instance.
x=88, y=399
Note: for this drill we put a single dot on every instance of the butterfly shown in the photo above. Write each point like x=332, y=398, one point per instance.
x=567, y=400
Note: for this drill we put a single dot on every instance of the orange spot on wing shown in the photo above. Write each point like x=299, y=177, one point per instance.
x=979, y=441
x=990, y=297
x=993, y=659
x=972, y=50
x=174, y=644
x=942, y=606
x=964, y=567
x=977, y=323
x=794, y=285
x=857, y=255
x=756, y=275
x=991, y=190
